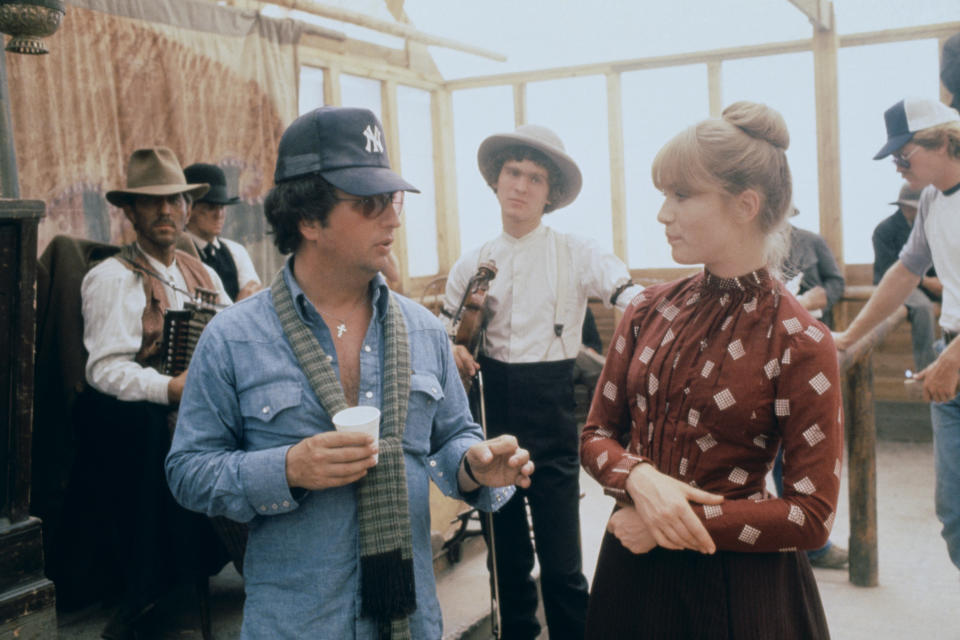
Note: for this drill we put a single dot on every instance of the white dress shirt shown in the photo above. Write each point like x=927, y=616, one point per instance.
x=113, y=302
x=523, y=295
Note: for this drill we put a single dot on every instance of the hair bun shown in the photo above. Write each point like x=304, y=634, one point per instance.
x=759, y=121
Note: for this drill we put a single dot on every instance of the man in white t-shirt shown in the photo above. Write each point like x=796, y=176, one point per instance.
x=924, y=140
x=205, y=224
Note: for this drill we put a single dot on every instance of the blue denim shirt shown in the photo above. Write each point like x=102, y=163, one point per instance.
x=247, y=402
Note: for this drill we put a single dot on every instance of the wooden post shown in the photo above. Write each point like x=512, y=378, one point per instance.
x=391, y=131
x=862, y=474
x=825, y=47
x=445, y=180
x=9, y=182
x=618, y=180
x=26, y=596
x=715, y=87
x=519, y=104
x=331, y=87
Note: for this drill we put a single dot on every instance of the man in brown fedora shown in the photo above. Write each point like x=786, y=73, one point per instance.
x=208, y=213
x=124, y=433
x=537, y=303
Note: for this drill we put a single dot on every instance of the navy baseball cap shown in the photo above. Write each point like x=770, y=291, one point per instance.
x=909, y=116
x=345, y=145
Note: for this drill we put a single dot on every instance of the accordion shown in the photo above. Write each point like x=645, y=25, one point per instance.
x=182, y=329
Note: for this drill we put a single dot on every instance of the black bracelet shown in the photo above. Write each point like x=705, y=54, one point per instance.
x=466, y=467
x=619, y=290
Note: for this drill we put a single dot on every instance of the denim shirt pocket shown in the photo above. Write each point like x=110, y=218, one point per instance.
x=425, y=393
x=270, y=415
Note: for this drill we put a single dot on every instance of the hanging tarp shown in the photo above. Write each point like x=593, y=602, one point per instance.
x=212, y=83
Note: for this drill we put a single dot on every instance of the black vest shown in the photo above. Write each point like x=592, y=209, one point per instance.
x=221, y=261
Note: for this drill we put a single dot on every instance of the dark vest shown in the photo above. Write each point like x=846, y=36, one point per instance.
x=221, y=261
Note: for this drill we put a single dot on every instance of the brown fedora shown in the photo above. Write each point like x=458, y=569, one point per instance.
x=154, y=171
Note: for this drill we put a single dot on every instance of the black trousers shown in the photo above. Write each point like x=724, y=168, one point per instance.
x=140, y=541
x=534, y=402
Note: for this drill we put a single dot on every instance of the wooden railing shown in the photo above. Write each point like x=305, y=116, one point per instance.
x=856, y=370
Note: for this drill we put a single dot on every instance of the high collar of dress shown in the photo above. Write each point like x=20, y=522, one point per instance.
x=758, y=280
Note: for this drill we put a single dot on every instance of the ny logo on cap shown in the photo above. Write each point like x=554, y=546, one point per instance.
x=374, y=141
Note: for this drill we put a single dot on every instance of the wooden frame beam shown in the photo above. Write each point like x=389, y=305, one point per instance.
x=945, y=29
x=391, y=28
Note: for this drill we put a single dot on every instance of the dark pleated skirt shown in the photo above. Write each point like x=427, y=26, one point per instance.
x=684, y=594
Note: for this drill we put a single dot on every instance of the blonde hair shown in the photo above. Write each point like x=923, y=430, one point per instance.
x=745, y=149
x=936, y=136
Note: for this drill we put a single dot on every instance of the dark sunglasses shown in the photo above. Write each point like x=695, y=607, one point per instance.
x=903, y=160
x=373, y=206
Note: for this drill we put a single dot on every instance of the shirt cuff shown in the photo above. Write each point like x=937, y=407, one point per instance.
x=627, y=295
x=157, y=387
x=619, y=474
x=263, y=475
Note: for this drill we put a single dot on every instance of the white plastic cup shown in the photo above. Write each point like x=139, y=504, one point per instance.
x=360, y=419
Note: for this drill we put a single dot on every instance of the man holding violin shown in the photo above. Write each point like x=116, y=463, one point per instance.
x=536, y=304
x=339, y=542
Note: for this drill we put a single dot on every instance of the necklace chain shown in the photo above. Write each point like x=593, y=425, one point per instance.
x=342, y=326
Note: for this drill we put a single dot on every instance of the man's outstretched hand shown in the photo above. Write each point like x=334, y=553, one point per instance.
x=498, y=462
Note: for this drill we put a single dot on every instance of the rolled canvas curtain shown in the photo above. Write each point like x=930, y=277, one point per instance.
x=212, y=83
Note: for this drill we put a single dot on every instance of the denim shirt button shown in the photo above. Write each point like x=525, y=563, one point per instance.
x=274, y=506
x=329, y=358
x=433, y=463
x=265, y=410
x=366, y=348
x=369, y=394
x=286, y=503
x=263, y=507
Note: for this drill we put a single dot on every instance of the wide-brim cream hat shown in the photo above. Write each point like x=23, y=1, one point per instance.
x=154, y=171
x=543, y=140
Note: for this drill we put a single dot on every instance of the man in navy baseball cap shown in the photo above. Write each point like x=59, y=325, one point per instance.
x=909, y=116
x=923, y=136
x=344, y=145
x=339, y=545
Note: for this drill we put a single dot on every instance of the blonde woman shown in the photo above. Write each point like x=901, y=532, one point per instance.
x=706, y=379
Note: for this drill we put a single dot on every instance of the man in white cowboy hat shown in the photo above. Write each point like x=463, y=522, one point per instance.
x=537, y=301
x=205, y=224
x=923, y=136
x=888, y=239
x=125, y=410
x=339, y=542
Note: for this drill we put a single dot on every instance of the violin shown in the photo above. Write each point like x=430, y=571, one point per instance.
x=472, y=313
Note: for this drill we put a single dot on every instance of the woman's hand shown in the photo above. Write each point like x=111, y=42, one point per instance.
x=663, y=504
x=630, y=530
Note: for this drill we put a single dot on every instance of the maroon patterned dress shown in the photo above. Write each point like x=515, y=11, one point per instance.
x=706, y=378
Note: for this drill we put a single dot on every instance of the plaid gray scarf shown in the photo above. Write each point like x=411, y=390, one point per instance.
x=386, y=550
